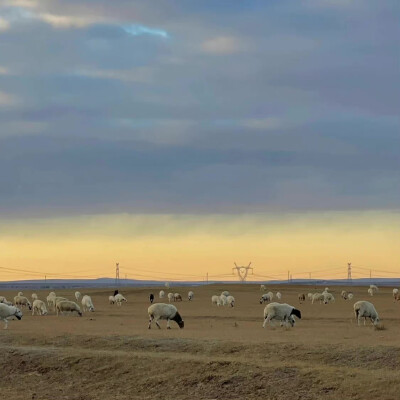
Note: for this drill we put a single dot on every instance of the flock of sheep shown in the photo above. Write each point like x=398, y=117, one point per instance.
x=273, y=311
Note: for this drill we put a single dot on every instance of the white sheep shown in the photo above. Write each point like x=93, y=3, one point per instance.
x=167, y=285
x=161, y=294
x=190, y=295
x=309, y=296
x=374, y=288
x=77, y=296
x=7, y=311
x=326, y=289
x=396, y=294
x=278, y=295
x=164, y=311
x=87, y=304
x=231, y=301
x=2, y=299
x=111, y=299
x=281, y=312
x=328, y=298
x=170, y=297
x=350, y=296
x=22, y=301
x=370, y=291
x=177, y=297
x=365, y=309
x=119, y=299
x=223, y=300
x=344, y=295
x=39, y=307
x=34, y=296
x=215, y=300
x=266, y=297
x=68, y=306
x=225, y=293
x=20, y=294
x=262, y=287
x=51, y=300
x=317, y=297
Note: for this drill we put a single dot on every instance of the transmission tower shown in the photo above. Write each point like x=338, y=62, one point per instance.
x=242, y=272
x=117, y=274
x=349, y=271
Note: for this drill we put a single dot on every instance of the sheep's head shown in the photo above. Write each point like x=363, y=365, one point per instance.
x=178, y=319
x=18, y=313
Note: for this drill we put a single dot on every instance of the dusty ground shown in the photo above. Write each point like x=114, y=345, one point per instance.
x=222, y=353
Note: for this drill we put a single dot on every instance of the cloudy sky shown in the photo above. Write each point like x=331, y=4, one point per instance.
x=188, y=118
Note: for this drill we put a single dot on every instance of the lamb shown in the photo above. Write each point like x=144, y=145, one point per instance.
x=39, y=307
x=370, y=291
x=302, y=297
x=328, y=298
x=225, y=293
x=266, y=297
x=231, y=301
x=34, y=296
x=317, y=297
x=170, y=297
x=68, y=306
x=262, y=287
x=281, y=312
x=344, y=295
x=164, y=311
x=177, y=297
x=365, y=309
x=77, y=296
x=22, y=301
x=161, y=294
x=190, y=296
x=51, y=300
x=396, y=294
x=151, y=298
x=119, y=299
x=215, y=300
x=7, y=311
x=350, y=296
x=87, y=304
x=278, y=295
x=111, y=299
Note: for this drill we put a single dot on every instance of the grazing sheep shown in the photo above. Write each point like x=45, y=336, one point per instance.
x=266, y=297
x=262, y=287
x=164, y=311
x=344, y=295
x=302, y=297
x=161, y=294
x=215, y=300
x=119, y=299
x=350, y=296
x=177, y=297
x=170, y=297
x=67, y=306
x=396, y=294
x=39, y=306
x=309, y=296
x=190, y=296
x=77, y=296
x=317, y=297
x=374, y=288
x=34, y=296
x=370, y=291
x=22, y=301
x=278, y=295
x=51, y=300
x=225, y=293
x=87, y=304
x=223, y=300
x=111, y=299
x=57, y=299
x=151, y=298
x=365, y=309
x=281, y=312
x=328, y=298
x=7, y=311
x=231, y=301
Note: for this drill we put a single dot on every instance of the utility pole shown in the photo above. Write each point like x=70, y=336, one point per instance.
x=349, y=271
x=370, y=274
x=207, y=277
x=309, y=275
x=242, y=272
x=288, y=276
x=117, y=274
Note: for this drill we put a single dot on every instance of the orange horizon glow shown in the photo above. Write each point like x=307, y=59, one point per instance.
x=187, y=247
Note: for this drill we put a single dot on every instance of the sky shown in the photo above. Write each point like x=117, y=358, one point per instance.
x=178, y=137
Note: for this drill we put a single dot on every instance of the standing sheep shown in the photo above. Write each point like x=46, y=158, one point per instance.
x=266, y=297
x=344, y=295
x=370, y=291
x=7, y=311
x=225, y=293
x=177, y=297
x=302, y=297
x=262, y=287
x=34, y=296
x=111, y=299
x=164, y=311
x=215, y=300
x=278, y=295
x=68, y=306
x=161, y=294
x=396, y=294
x=280, y=312
x=170, y=297
x=190, y=296
x=22, y=301
x=87, y=304
x=77, y=296
x=309, y=296
x=231, y=301
x=39, y=307
x=374, y=288
x=119, y=299
x=223, y=300
x=317, y=297
x=350, y=296
x=328, y=298
x=365, y=309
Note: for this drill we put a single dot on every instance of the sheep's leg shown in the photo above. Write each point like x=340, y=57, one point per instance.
x=5, y=323
x=168, y=327
x=159, y=327
x=150, y=321
x=266, y=320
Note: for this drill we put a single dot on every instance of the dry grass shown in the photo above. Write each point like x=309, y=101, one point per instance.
x=222, y=352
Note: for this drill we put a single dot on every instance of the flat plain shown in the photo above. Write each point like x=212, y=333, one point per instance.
x=222, y=353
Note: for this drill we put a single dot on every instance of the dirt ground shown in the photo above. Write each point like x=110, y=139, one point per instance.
x=222, y=353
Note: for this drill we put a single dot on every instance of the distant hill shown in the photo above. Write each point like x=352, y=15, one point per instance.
x=110, y=282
